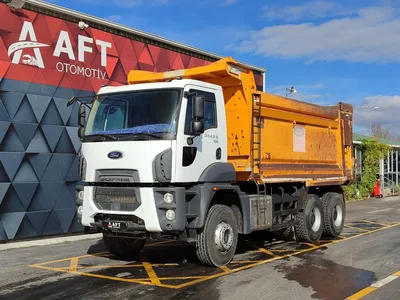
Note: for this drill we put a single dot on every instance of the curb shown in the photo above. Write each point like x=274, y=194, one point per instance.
x=49, y=241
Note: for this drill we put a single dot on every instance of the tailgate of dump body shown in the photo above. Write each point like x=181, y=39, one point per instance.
x=305, y=142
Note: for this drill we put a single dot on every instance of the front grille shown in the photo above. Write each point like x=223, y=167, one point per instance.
x=116, y=198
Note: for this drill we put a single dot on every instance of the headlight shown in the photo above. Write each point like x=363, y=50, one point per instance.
x=170, y=215
x=80, y=195
x=168, y=198
x=79, y=210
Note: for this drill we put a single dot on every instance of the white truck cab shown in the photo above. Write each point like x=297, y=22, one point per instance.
x=146, y=151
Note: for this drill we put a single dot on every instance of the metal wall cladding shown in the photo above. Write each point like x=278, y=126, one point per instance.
x=38, y=132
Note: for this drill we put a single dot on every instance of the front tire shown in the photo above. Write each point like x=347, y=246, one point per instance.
x=310, y=221
x=124, y=247
x=217, y=242
x=334, y=214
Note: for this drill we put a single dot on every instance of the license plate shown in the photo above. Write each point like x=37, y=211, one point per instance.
x=113, y=225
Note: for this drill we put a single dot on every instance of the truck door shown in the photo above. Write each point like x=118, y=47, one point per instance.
x=209, y=147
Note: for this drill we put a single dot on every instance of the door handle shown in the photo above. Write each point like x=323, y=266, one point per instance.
x=218, y=154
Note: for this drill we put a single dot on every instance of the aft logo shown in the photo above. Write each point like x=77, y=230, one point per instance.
x=28, y=40
x=24, y=43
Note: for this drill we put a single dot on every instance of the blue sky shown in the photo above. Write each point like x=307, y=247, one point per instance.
x=329, y=51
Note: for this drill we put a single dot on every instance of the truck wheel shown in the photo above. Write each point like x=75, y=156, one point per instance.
x=310, y=221
x=217, y=242
x=334, y=214
x=124, y=247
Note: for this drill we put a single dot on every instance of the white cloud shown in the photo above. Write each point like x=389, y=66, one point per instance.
x=369, y=36
x=387, y=113
x=309, y=10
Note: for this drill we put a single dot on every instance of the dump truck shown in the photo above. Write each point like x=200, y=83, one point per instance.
x=201, y=155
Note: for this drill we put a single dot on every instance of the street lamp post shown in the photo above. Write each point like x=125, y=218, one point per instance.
x=369, y=117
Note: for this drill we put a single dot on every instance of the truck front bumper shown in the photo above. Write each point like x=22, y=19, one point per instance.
x=150, y=209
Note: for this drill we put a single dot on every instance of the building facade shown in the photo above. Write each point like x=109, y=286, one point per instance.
x=45, y=58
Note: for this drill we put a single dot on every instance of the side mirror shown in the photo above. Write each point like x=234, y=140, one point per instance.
x=81, y=132
x=82, y=115
x=71, y=101
x=81, y=121
x=198, y=107
x=198, y=115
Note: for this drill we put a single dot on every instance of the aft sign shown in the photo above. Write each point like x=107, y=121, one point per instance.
x=27, y=40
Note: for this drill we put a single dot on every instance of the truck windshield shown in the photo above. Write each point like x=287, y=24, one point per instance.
x=146, y=114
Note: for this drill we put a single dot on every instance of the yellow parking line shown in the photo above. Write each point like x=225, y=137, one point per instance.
x=225, y=269
x=154, y=280
x=361, y=293
x=73, y=265
x=373, y=222
x=357, y=228
x=151, y=273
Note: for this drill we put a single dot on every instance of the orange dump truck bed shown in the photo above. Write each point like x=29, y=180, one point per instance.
x=281, y=139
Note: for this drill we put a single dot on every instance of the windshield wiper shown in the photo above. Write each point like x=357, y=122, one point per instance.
x=141, y=134
x=105, y=136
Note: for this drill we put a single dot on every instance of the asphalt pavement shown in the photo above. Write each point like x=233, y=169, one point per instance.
x=364, y=263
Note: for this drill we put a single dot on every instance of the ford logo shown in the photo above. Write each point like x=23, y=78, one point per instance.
x=114, y=155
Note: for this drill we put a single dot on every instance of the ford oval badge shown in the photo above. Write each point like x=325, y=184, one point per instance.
x=114, y=155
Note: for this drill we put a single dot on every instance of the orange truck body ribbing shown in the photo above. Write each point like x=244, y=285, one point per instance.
x=300, y=142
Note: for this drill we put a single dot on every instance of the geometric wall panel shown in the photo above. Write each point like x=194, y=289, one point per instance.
x=25, y=173
x=25, y=229
x=25, y=132
x=52, y=225
x=11, y=142
x=39, y=162
x=25, y=192
x=39, y=105
x=11, y=162
x=64, y=144
x=11, y=222
x=65, y=217
x=12, y=101
x=52, y=134
x=3, y=175
x=3, y=235
x=52, y=116
x=3, y=190
x=73, y=135
x=3, y=113
x=25, y=113
x=38, y=143
x=3, y=129
x=11, y=202
x=38, y=219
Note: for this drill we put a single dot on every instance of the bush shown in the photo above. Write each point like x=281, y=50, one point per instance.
x=372, y=150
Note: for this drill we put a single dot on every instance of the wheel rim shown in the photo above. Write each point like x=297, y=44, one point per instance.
x=315, y=219
x=223, y=237
x=337, y=215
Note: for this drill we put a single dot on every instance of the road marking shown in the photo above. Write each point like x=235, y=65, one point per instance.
x=379, y=210
x=73, y=265
x=374, y=286
x=373, y=222
x=353, y=227
x=154, y=280
x=225, y=269
x=151, y=273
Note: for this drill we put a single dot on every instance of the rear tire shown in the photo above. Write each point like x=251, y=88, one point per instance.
x=216, y=244
x=124, y=247
x=334, y=214
x=310, y=221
